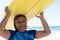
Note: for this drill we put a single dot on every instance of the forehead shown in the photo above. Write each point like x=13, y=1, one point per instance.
x=20, y=18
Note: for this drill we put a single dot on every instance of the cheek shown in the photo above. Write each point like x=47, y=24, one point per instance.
x=25, y=24
x=17, y=25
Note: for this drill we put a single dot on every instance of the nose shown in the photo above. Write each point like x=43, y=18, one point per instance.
x=22, y=24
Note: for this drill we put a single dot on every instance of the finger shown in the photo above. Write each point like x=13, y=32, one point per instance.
x=6, y=8
x=38, y=15
x=41, y=12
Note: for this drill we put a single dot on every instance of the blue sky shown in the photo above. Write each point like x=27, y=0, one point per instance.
x=51, y=14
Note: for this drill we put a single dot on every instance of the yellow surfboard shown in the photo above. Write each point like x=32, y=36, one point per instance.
x=29, y=8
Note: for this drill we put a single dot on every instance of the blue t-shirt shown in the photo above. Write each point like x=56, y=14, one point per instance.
x=26, y=35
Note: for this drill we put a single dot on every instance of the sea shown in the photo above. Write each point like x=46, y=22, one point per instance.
x=55, y=32
x=52, y=28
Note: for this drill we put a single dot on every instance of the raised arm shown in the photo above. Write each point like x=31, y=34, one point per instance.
x=3, y=32
x=46, y=31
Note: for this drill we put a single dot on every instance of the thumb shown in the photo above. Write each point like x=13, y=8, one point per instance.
x=38, y=15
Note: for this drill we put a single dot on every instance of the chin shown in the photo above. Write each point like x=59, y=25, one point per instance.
x=22, y=30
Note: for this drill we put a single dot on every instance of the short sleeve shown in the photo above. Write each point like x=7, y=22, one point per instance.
x=32, y=32
x=12, y=33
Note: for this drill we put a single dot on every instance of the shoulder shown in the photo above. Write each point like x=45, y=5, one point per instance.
x=12, y=33
x=32, y=32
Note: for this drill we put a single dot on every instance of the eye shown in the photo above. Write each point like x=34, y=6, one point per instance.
x=21, y=22
x=24, y=21
x=17, y=22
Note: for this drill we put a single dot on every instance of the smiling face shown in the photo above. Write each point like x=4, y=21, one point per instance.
x=20, y=23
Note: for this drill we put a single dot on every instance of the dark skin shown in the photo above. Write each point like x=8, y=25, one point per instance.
x=21, y=24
